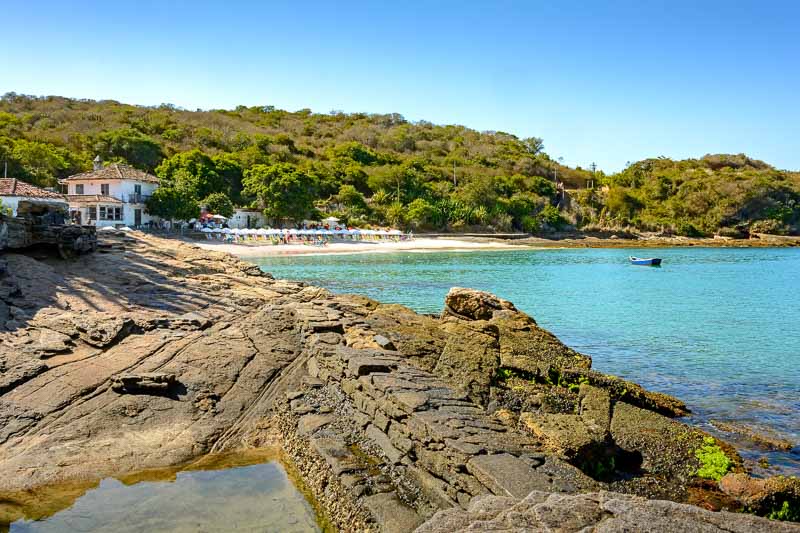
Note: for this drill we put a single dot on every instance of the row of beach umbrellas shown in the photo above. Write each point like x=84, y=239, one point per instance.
x=303, y=235
x=303, y=232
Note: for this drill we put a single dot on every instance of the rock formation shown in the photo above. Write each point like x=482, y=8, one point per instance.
x=158, y=352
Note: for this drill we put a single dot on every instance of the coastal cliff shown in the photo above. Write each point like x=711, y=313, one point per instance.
x=156, y=352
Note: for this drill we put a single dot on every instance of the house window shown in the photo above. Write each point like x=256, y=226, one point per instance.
x=104, y=189
x=79, y=188
x=137, y=189
x=92, y=212
x=110, y=213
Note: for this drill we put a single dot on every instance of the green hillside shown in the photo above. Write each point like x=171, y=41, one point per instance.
x=382, y=169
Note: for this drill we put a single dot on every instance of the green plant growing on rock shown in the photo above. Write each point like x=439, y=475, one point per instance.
x=713, y=462
x=576, y=386
x=789, y=513
x=504, y=374
x=602, y=469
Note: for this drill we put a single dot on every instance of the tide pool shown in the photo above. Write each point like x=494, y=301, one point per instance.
x=718, y=328
x=227, y=494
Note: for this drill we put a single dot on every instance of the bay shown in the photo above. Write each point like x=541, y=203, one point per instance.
x=716, y=327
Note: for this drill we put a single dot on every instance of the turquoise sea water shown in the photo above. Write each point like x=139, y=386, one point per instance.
x=718, y=328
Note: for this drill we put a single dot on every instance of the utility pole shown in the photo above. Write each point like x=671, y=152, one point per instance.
x=560, y=162
x=594, y=172
x=559, y=188
x=5, y=171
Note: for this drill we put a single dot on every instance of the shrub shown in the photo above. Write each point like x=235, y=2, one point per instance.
x=687, y=229
x=772, y=226
x=531, y=224
x=787, y=512
x=551, y=216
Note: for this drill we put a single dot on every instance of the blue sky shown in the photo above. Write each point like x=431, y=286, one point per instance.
x=609, y=82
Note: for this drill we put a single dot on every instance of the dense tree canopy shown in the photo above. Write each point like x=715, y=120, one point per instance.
x=382, y=169
x=173, y=204
x=286, y=191
x=131, y=146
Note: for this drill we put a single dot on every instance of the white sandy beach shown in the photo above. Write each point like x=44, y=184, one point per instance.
x=417, y=245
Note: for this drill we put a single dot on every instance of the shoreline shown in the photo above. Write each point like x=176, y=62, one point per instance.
x=388, y=415
x=457, y=243
x=419, y=245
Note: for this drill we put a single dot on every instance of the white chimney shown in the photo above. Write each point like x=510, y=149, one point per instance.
x=97, y=163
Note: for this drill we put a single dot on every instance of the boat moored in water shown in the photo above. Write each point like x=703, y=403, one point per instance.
x=649, y=261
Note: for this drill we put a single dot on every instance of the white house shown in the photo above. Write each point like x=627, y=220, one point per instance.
x=111, y=195
x=13, y=191
x=247, y=218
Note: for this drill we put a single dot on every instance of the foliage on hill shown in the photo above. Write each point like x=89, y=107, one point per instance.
x=730, y=194
x=381, y=169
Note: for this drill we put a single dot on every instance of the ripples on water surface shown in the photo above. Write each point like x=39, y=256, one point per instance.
x=715, y=327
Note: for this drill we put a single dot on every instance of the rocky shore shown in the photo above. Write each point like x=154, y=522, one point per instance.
x=155, y=352
x=610, y=239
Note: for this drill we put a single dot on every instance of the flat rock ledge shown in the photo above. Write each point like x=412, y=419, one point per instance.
x=596, y=512
x=157, y=353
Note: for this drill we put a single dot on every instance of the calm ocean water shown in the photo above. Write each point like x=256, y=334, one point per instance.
x=718, y=328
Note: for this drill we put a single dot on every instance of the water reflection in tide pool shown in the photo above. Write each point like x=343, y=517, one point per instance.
x=258, y=497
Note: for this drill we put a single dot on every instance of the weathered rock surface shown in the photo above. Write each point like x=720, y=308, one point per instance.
x=145, y=382
x=599, y=511
x=158, y=352
x=773, y=496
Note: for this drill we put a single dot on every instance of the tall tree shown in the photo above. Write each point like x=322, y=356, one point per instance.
x=172, y=204
x=193, y=172
x=285, y=191
x=219, y=204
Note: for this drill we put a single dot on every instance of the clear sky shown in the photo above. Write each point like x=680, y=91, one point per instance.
x=605, y=81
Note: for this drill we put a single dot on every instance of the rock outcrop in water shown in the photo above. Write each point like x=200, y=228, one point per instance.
x=160, y=352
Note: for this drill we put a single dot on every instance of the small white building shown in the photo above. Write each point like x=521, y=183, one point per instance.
x=111, y=195
x=14, y=191
x=247, y=218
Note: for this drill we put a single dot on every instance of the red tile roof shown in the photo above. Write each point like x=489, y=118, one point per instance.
x=115, y=171
x=15, y=187
x=92, y=199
